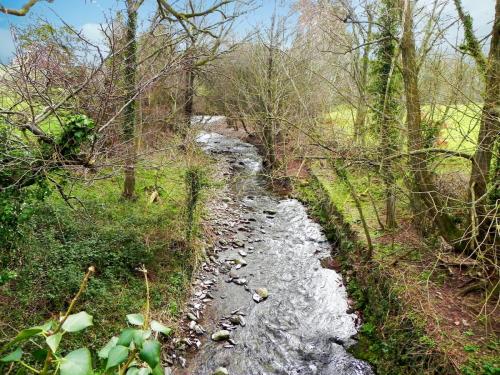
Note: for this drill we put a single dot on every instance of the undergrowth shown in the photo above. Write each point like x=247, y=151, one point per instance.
x=58, y=242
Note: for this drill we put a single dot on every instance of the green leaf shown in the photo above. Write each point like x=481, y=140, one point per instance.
x=126, y=337
x=150, y=353
x=15, y=356
x=139, y=337
x=77, y=322
x=53, y=341
x=117, y=355
x=40, y=354
x=104, y=352
x=158, y=370
x=132, y=371
x=78, y=362
x=158, y=327
x=25, y=334
x=139, y=371
x=136, y=319
x=46, y=327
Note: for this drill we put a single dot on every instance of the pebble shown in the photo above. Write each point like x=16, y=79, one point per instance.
x=260, y=295
x=191, y=316
x=199, y=329
x=237, y=319
x=221, y=335
x=182, y=361
x=221, y=371
x=240, y=261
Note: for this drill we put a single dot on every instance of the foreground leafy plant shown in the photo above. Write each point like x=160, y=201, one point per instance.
x=134, y=352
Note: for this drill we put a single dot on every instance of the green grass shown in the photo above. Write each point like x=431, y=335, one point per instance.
x=59, y=243
x=459, y=132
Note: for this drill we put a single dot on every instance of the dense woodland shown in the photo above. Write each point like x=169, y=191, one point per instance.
x=387, y=108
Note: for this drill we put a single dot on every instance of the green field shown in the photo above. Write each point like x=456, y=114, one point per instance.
x=459, y=130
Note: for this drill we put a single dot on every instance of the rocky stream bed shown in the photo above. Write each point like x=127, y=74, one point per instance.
x=263, y=304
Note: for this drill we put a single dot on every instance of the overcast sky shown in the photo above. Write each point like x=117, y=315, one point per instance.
x=87, y=14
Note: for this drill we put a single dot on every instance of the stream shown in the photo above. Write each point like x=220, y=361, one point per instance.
x=302, y=327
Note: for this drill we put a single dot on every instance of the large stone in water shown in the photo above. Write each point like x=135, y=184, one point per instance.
x=240, y=261
x=221, y=335
x=221, y=371
x=260, y=294
x=238, y=320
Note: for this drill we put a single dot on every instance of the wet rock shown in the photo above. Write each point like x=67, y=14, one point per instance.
x=238, y=243
x=240, y=262
x=221, y=371
x=199, y=329
x=240, y=281
x=269, y=212
x=221, y=335
x=260, y=294
x=238, y=320
x=242, y=253
x=182, y=361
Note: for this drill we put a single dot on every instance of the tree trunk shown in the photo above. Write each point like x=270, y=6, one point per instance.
x=482, y=184
x=269, y=128
x=424, y=189
x=362, y=107
x=189, y=95
x=130, y=72
x=387, y=96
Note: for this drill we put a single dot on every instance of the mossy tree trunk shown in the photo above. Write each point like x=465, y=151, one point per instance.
x=362, y=83
x=129, y=118
x=189, y=93
x=387, y=92
x=482, y=181
x=484, y=178
x=424, y=190
x=269, y=128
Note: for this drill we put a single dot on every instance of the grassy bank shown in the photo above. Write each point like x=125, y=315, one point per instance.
x=415, y=322
x=58, y=243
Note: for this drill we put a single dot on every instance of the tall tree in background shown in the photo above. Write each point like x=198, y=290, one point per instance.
x=484, y=179
x=425, y=192
x=361, y=68
x=386, y=92
x=269, y=124
x=129, y=75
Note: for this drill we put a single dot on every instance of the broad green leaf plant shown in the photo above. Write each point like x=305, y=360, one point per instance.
x=135, y=351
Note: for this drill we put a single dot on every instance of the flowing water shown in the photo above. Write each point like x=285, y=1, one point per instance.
x=303, y=326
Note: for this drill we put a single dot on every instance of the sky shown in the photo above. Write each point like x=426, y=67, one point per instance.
x=87, y=14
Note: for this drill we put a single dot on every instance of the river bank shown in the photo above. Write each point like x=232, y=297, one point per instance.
x=400, y=335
